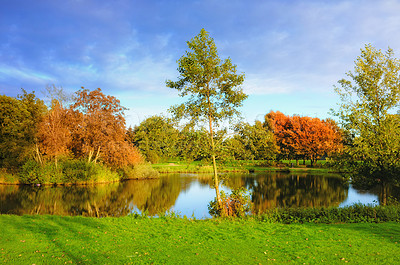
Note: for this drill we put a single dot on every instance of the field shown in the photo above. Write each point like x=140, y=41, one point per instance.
x=169, y=240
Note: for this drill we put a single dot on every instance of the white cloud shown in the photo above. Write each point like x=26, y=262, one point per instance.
x=28, y=75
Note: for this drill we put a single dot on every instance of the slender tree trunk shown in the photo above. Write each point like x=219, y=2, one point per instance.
x=97, y=155
x=384, y=193
x=216, y=182
x=39, y=157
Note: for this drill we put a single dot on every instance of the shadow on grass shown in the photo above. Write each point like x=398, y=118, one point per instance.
x=389, y=231
x=52, y=228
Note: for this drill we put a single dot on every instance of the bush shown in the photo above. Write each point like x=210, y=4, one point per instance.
x=140, y=171
x=31, y=173
x=66, y=172
x=357, y=213
x=236, y=204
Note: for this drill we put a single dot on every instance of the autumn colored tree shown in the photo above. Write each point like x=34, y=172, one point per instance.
x=314, y=138
x=99, y=129
x=54, y=131
x=304, y=137
x=213, y=87
x=282, y=127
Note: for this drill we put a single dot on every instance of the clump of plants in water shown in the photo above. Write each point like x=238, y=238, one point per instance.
x=236, y=204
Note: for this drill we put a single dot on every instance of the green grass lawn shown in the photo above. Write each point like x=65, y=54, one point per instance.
x=236, y=166
x=128, y=240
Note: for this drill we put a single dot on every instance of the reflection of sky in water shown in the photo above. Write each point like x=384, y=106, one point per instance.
x=364, y=197
x=195, y=200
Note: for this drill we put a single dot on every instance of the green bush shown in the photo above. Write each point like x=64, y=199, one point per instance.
x=30, y=173
x=357, y=213
x=77, y=170
x=66, y=172
x=141, y=171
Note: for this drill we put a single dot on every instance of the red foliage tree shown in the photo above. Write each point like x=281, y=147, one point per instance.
x=306, y=137
x=281, y=126
x=100, y=131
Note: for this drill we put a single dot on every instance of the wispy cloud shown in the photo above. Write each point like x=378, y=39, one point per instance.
x=131, y=47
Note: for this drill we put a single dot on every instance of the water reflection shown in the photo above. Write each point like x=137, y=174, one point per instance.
x=295, y=190
x=187, y=194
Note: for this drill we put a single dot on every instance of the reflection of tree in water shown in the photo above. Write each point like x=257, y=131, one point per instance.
x=157, y=195
x=115, y=199
x=290, y=190
x=387, y=193
x=163, y=196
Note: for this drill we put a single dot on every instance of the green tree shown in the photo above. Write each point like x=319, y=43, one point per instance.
x=18, y=128
x=253, y=142
x=213, y=87
x=368, y=101
x=156, y=137
x=193, y=144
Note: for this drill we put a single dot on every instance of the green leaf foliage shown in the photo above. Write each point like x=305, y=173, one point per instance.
x=18, y=130
x=156, y=137
x=252, y=142
x=369, y=99
x=212, y=85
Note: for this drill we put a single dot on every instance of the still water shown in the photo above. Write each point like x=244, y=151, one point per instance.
x=185, y=194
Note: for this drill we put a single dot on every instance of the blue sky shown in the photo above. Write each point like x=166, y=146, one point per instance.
x=292, y=52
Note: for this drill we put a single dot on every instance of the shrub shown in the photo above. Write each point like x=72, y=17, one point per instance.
x=236, y=204
x=66, y=172
x=30, y=173
x=357, y=213
x=77, y=170
x=140, y=171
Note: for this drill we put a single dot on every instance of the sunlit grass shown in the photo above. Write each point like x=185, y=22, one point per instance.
x=176, y=166
x=128, y=240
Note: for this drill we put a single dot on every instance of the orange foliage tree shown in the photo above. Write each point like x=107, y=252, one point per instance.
x=281, y=126
x=304, y=137
x=314, y=138
x=53, y=131
x=99, y=130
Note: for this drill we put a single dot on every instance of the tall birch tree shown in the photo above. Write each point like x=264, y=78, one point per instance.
x=212, y=87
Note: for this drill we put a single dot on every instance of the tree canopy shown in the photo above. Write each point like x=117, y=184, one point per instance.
x=302, y=137
x=18, y=130
x=369, y=99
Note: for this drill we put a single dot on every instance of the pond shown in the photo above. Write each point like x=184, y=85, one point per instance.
x=185, y=194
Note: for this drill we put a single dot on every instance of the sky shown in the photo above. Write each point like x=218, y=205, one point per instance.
x=291, y=52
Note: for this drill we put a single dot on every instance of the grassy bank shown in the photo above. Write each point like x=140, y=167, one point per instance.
x=238, y=166
x=129, y=240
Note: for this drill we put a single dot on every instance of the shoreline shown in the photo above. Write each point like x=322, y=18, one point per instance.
x=173, y=169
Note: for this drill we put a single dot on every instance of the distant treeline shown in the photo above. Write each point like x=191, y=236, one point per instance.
x=278, y=137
